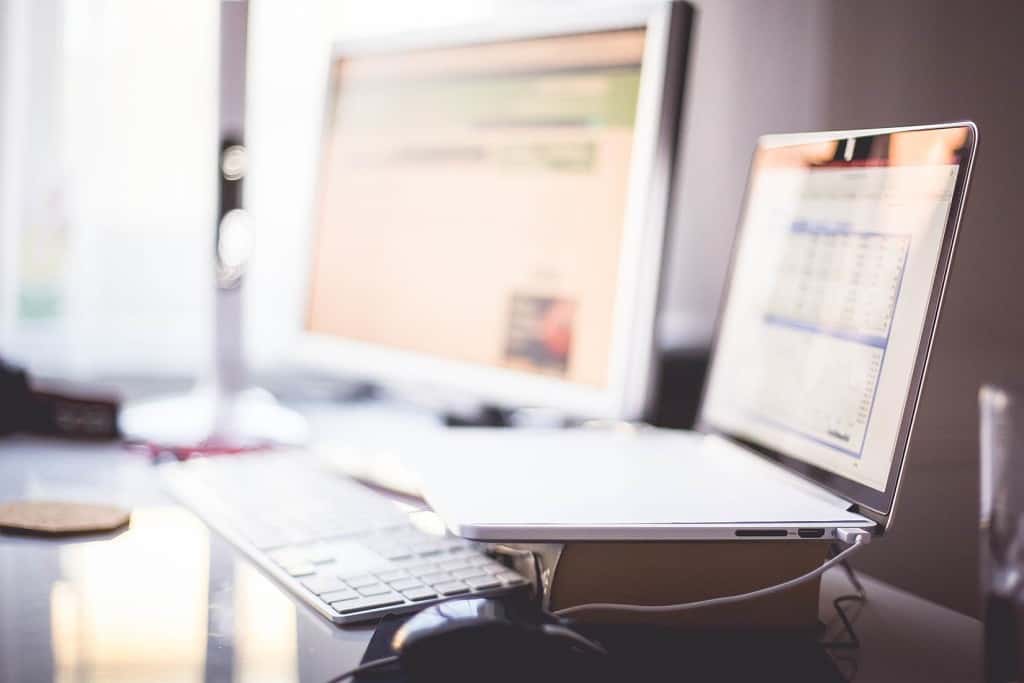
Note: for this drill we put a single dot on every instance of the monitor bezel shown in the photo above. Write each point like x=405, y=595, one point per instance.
x=875, y=504
x=628, y=391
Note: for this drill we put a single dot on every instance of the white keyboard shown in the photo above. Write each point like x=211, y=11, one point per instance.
x=348, y=552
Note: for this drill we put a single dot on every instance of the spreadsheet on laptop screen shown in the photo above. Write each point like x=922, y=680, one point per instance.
x=830, y=289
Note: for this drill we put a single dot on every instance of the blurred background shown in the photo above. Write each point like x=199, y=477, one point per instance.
x=107, y=190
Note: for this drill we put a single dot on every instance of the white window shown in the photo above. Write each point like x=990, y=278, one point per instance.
x=108, y=145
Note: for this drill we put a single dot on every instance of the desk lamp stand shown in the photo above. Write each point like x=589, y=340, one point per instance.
x=223, y=411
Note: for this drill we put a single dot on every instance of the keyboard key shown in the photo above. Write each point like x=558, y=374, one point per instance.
x=435, y=577
x=425, y=568
x=479, y=560
x=466, y=572
x=397, y=554
x=359, y=581
x=421, y=593
x=335, y=596
x=393, y=575
x=323, y=584
x=480, y=583
x=494, y=568
x=448, y=565
x=299, y=570
x=374, y=589
x=267, y=540
x=510, y=578
x=451, y=588
x=362, y=604
x=287, y=557
x=423, y=549
x=319, y=555
x=405, y=584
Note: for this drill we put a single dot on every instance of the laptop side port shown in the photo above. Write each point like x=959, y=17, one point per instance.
x=810, y=533
x=756, y=533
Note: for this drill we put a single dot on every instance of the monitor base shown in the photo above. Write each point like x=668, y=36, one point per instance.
x=484, y=415
x=490, y=415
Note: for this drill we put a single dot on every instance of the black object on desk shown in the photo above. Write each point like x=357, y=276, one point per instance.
x=635, y=653
x=31, y=410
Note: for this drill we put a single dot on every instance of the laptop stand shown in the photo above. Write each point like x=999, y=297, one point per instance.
x=655, y=573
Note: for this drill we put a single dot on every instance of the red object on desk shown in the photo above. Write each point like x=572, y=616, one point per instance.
x=200, y=450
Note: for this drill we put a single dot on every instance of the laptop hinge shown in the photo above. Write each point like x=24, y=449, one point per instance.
x=876, y=517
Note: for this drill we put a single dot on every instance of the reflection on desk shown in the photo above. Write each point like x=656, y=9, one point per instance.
x=110, y=613
x=164, y=600
x=169, y=600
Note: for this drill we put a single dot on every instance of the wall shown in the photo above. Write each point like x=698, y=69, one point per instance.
x=932, y=61
x=756, y=69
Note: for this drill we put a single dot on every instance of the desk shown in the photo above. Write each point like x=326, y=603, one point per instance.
x=168, y=600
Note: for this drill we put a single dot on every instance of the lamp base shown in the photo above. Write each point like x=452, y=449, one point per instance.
x=210, y=419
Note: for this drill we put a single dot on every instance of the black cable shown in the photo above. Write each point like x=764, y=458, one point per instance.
x=852, y=642
x=538, y=582
x=846, y=653
x=851, y=576
x=538, y=586
x=860, y=597
x=372, y=665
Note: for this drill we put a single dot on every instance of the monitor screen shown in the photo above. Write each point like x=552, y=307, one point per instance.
x=834, y=274
x=472, y=202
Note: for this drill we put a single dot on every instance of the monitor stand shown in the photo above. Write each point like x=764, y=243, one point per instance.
x=490, y=415
x=484, y=415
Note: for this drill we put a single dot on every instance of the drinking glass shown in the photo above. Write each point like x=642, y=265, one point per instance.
x=1002, y=530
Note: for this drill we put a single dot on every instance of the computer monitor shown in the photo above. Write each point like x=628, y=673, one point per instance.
x=492, y=209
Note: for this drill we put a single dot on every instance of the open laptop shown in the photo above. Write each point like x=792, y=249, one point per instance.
x=833, y=297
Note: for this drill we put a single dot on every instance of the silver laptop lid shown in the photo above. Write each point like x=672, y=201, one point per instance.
x=836, y=281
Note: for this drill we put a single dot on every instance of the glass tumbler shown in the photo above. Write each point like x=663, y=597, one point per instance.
x=1002, y=530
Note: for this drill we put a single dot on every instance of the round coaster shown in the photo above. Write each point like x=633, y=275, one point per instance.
x=53, y=518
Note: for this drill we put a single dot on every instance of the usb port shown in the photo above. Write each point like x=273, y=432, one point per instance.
x=810, y=533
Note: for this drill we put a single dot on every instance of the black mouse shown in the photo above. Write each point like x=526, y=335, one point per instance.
x=487, y=640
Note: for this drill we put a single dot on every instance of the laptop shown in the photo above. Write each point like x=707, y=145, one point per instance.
x=822, y=345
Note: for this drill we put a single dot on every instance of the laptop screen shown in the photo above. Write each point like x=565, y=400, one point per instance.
x=837, y=272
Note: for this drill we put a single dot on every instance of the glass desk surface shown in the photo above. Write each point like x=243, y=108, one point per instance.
x=168, y=600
